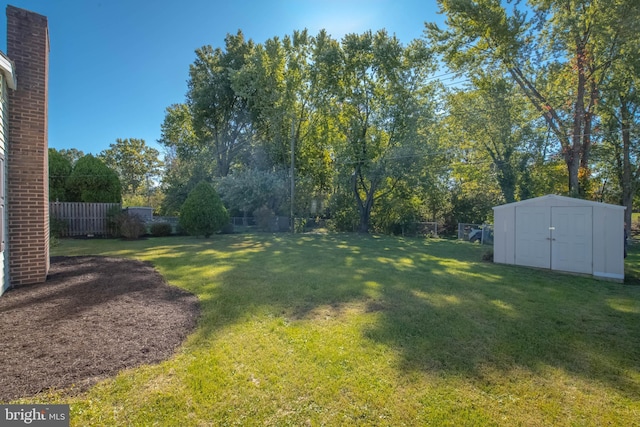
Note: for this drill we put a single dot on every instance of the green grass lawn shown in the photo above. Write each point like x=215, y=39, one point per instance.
x=366, y=330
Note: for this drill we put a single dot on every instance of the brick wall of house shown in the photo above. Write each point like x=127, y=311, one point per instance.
x=27, y=154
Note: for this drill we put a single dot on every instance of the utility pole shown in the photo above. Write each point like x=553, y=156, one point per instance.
x=293, y=182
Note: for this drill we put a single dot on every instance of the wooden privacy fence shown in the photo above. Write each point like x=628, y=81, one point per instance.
x=70, y=219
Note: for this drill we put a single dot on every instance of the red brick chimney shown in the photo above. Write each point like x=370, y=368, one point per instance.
x=27, y=154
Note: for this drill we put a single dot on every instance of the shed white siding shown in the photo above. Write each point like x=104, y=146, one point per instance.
x=561, y=233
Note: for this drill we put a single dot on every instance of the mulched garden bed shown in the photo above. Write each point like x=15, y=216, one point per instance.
x=93, y=317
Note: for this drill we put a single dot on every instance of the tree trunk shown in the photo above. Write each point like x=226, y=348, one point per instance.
x=628, y=189
x=363, y=227
x=575, y=140
x=364, y=206
x=578, y=149
x=572, y=160
x=506, y=179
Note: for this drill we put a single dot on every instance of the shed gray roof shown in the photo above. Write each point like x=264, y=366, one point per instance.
x=565, y=200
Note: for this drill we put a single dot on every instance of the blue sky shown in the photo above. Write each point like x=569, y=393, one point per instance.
x=116, y=65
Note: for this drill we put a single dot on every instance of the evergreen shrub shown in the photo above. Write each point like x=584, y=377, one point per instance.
x=203, y=213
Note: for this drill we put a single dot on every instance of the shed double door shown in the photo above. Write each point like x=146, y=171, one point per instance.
x=557, y=237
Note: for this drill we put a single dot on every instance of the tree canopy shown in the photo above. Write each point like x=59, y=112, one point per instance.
x=138, y=166
x=557, y=52
x=60, y=168
x=367, y=132
x=93, y=181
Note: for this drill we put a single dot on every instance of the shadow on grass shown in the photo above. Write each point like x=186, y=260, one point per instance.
x=437, y=304
x=588, y=329
x=632, y=265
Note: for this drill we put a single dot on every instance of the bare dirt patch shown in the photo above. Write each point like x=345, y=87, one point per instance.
x=93, y=317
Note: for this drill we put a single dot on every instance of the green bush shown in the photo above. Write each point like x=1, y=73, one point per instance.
x=203, y=213
x=131, y=226
x=300, y=224
x=160, y=229
x=113, y=220
x=57, y=227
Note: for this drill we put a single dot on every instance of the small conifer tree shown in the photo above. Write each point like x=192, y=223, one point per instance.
x=203, y=213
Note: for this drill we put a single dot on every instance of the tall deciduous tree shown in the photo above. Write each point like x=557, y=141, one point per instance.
x=178, y=133
x=72, y=154
x=627, y=151
x=289, y=130
x=220, y=117
x=376, y=89
x=185, y=166
x=136, y=164
x=558, y=58
x=492, y=119
x=271, y=82
x=620, y=107
x=247, y=190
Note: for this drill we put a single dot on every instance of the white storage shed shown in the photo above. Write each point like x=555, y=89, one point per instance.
x=561, y=233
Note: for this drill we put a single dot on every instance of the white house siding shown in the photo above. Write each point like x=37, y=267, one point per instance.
x=4, y=114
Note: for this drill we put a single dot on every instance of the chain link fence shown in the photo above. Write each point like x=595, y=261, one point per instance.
x=421, y=229
x=482, y=233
